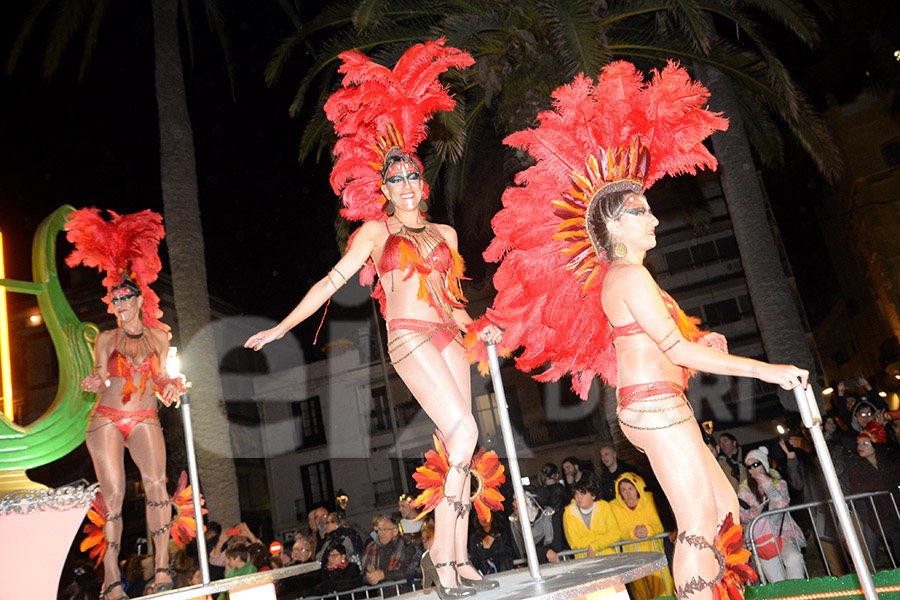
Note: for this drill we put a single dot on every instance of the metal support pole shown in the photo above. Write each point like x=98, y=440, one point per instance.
x=508, y=443
x=195, y=486
x=812, y=420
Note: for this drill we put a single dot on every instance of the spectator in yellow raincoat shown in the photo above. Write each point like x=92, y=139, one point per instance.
x=636, y=515
x=588, y=521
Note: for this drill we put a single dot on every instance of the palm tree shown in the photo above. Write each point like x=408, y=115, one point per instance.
x=184, y=234
x=524, y=50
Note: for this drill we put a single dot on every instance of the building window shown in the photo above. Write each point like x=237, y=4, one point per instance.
x=380, y=414
x=678, y=260
x=317, y=487
x=308, y=428
x=488, y=418
x=723, y=311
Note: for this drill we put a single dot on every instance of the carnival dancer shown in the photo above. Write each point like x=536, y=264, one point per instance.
x=379, y=116
x=573, y=291
x=129, y=376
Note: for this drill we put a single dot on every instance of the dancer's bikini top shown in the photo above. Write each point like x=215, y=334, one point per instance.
x=635, y=328
x=397, y=248
x=121, y=366
x=404, y=251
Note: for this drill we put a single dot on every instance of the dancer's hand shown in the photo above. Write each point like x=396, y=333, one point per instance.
x=169, y=395
x=714, y=340
x=260, y=339
x=491, y=334
x=786, y=376
x=94, y=383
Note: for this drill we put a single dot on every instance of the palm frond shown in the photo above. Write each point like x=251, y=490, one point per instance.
x=189, y=30
x=762, y=131
x=37, y=7
x=280, y=57
x=217, y=24
x=66, y=22
x=790, y=14
x=292, y=10
x=368, y=15
x=90, y=40
x=689, y=18
x=318, y=136
x=575, y=34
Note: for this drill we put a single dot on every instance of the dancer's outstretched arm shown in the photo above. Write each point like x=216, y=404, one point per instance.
x=634, y=287
x=359, y=250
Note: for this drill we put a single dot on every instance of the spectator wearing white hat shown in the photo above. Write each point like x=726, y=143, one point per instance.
x=778, y=538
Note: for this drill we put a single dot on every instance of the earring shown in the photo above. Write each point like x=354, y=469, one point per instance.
x=620, y=250
x=423, y=206
x=389, y=209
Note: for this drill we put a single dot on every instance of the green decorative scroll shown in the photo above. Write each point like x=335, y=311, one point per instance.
x=62, y=428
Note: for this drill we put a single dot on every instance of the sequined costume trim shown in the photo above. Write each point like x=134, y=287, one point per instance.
x=655, y=405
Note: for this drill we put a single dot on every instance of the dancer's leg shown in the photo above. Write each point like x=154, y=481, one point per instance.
x=107, y=449
x=436, y=386
x=148, y=450
x=682, y=465
x=459, y=367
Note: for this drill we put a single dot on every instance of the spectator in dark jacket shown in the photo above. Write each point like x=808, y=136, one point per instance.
x=339, y=574
x=491, y=546
x=388, y=556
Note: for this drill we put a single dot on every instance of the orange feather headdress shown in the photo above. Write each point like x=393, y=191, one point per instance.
x=599, y=137
x=379, y=111
x=126, y=247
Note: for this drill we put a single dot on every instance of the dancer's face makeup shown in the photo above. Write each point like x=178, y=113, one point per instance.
x=403, y=185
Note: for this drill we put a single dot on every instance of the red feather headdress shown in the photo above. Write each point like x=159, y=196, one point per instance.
x=378, y=109
x=125, y=247
x=599, y=136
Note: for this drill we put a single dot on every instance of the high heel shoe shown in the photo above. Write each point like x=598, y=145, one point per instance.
x=110, y=588
x=481, y=585
x=430, y=578
x=165, y=586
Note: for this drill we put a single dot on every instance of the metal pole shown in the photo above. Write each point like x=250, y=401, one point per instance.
x=195, y=486
x=812, y=420
x=508, y=443
x=389, y=396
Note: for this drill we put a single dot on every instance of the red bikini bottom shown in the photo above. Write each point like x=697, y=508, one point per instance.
x=645, y=405
x=125, y=420
x=439, y=334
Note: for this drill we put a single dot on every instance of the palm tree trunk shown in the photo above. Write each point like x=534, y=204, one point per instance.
x=776, y=314
x=187, y=262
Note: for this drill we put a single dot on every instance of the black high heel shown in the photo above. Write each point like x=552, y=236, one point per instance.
x=481, y=585
x=430, y=578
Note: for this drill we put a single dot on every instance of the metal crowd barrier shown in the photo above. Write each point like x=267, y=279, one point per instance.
x=869, y=501
x=372, y=591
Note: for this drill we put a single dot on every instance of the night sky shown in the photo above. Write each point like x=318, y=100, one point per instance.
x=268, y=219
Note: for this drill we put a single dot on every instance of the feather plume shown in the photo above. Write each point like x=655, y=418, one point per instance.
x=550, y=277
x=377, y=109
x=124, y=247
